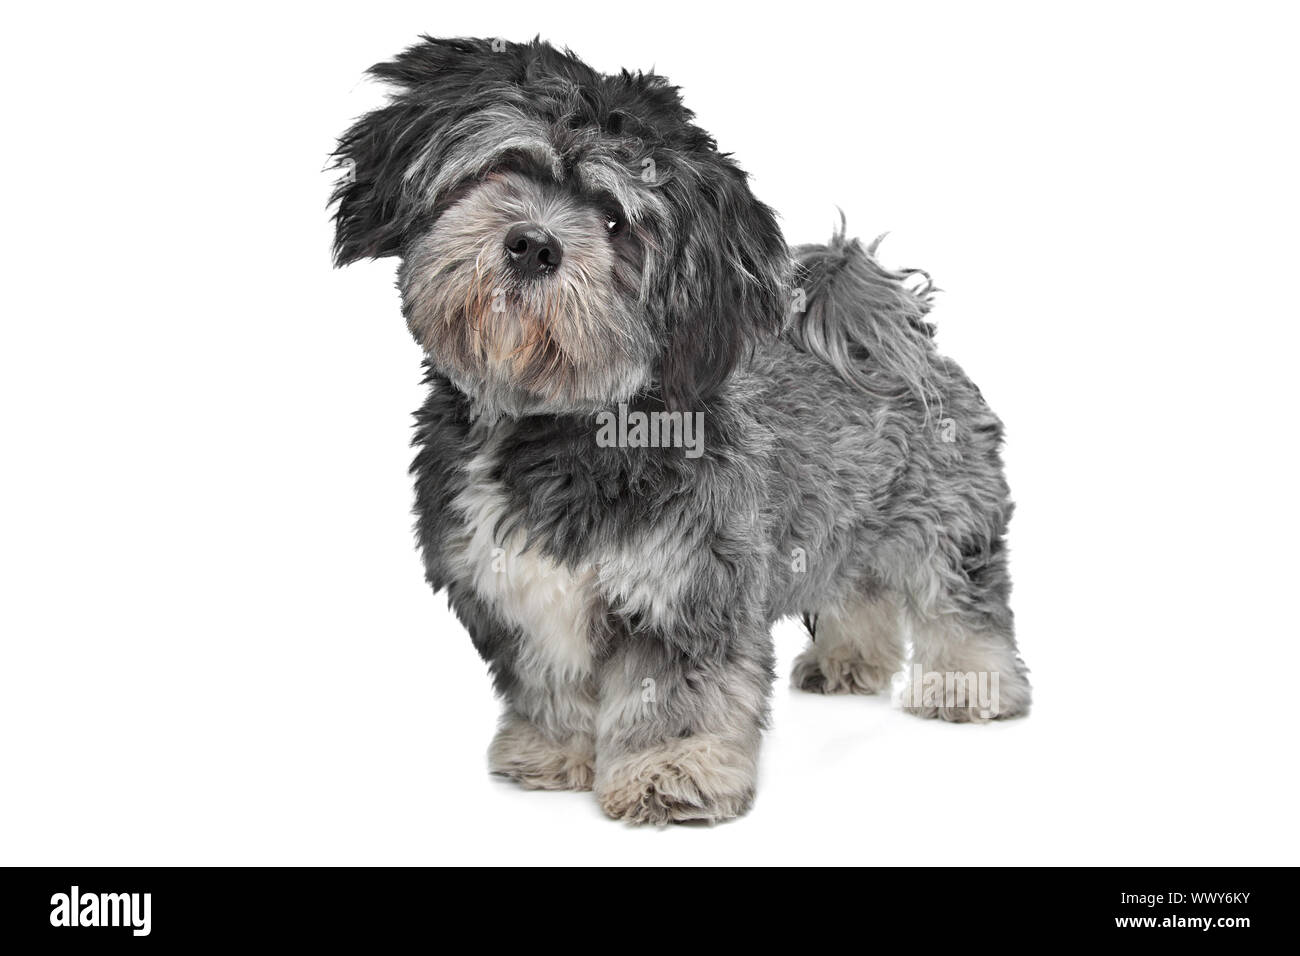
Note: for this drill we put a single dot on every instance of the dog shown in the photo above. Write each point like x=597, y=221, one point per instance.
x=653, y=429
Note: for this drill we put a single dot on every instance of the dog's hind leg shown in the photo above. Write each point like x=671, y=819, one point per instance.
x=855, y=649
x=965, y=665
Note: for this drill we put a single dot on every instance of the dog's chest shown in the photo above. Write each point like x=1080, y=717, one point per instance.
x=549, y=605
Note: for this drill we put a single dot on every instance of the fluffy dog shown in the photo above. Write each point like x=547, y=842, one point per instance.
x=652, y=430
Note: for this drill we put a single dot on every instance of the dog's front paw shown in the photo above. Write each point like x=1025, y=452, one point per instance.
x=521, y=752
x=697, y=778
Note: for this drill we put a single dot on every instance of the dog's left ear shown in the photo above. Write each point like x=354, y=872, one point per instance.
x=725, y=281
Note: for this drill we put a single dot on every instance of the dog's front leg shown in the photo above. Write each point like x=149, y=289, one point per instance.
x=678, y=730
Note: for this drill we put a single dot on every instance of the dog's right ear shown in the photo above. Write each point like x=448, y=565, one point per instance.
x=371, y=212
x=437, y=82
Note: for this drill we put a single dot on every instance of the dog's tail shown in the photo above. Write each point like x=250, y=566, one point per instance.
x=864, y=320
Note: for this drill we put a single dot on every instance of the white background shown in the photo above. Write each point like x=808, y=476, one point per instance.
x=218, y=646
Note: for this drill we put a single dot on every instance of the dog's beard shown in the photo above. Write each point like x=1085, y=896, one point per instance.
x=570, y=340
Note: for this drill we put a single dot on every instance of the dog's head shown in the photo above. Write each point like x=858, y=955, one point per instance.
x=567, y=238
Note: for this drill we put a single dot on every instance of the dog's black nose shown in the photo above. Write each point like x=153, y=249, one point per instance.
x=532, y=250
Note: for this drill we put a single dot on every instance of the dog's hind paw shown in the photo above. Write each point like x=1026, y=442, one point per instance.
x=832, y=675
x=975, y=705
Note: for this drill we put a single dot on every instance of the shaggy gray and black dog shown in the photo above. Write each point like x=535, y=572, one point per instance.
x=652, y=430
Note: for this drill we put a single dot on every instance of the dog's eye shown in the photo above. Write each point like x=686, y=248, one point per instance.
x=613, y=222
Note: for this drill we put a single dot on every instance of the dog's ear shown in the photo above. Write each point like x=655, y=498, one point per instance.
x=725, y=281
x=436, y=83
x=372, y=213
